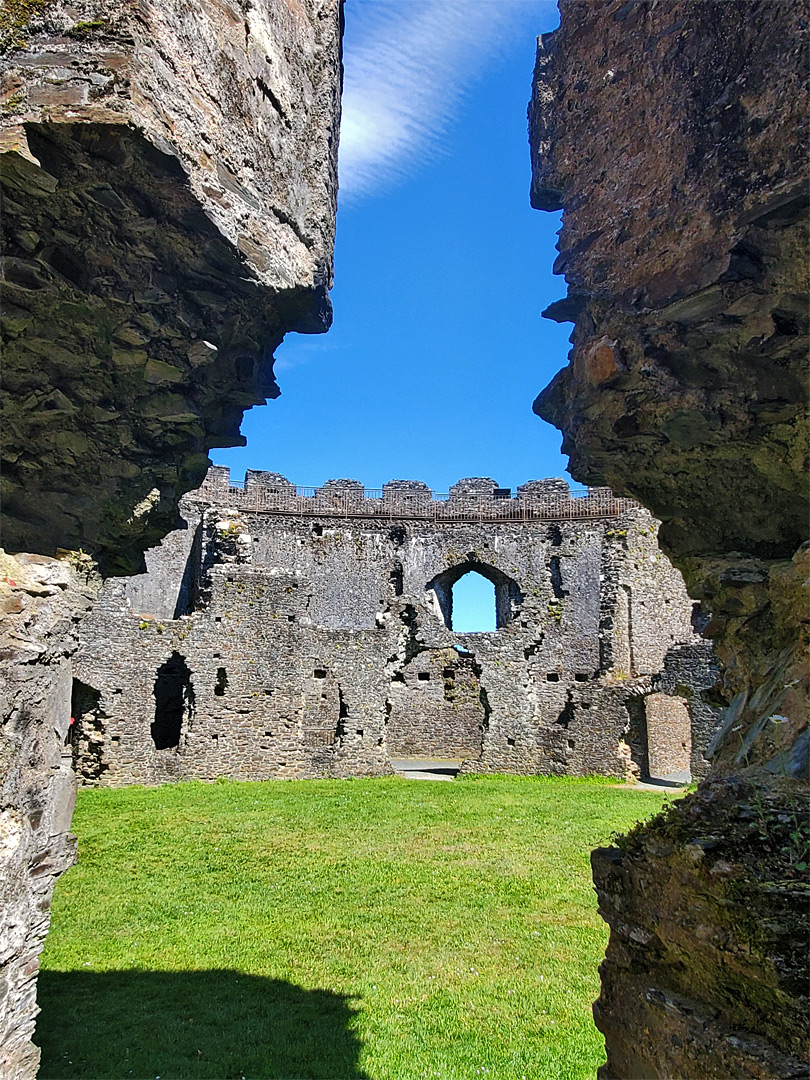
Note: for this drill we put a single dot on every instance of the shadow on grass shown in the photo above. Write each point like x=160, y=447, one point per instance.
x=192, y=1024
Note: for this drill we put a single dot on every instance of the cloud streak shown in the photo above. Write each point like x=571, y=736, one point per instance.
x=407, y=67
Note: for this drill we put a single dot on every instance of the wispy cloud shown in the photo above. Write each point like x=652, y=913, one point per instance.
x=407, y=66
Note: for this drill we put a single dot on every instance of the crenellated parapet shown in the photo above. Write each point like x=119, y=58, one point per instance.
x=476, y=498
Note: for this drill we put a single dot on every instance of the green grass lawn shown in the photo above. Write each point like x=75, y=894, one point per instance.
x=388, y=929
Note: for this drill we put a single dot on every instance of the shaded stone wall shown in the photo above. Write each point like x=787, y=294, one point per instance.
x=319, y=644
x=168, y=181
x=41, y=601
x=674, y=137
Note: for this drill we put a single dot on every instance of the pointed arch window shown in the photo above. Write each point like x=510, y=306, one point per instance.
x=469, y=605
x=473, y=605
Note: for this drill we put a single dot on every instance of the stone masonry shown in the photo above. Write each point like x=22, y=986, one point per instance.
x=673, y=136
x=281, y=634
x=169, y=181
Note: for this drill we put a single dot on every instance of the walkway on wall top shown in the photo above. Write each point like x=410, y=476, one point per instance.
x=474, y=499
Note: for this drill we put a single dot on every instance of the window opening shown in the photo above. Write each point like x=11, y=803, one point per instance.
x=397, y=579
x=474, y=597
x=556, y=578
x=221, y=684
x=473, y=605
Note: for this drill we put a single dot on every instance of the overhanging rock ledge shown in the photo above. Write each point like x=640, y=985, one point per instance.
x=169, y=186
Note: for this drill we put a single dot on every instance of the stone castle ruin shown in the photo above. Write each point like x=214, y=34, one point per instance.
x=286, y=633
x=169, y=176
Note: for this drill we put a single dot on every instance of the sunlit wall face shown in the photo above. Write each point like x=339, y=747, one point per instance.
x=473, y=605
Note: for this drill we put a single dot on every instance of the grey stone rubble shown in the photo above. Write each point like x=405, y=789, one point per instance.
x=318, y=640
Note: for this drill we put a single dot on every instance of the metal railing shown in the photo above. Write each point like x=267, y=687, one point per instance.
x=422, y=506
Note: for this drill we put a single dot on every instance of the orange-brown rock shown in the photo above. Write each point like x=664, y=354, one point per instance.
x=674, y=136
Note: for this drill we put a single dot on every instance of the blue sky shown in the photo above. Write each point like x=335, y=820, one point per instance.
x=441, y=266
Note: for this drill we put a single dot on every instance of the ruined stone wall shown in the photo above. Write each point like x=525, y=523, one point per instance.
x=674, y=137
x=319, y=642
x=168, y=178
x=169, y=186
x=41, y=601
x=436, y=708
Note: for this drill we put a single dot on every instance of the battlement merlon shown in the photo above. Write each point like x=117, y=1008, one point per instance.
x=475, y=497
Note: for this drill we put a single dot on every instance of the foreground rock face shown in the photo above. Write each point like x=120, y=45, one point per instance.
x=706, y=971
x=169, y=183
x=673, y=135
x=41, y=602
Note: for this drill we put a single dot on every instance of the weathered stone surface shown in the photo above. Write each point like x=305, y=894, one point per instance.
x=673, y=135
x=709, y=929
x=169, y=189
x=168, y=175
x=41, y=600
x=678, y=149
x=312, y=635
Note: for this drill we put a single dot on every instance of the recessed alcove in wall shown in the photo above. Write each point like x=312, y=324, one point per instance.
x=174, y=701
x=660, y=737
x=475, y=597
x=86, y=732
